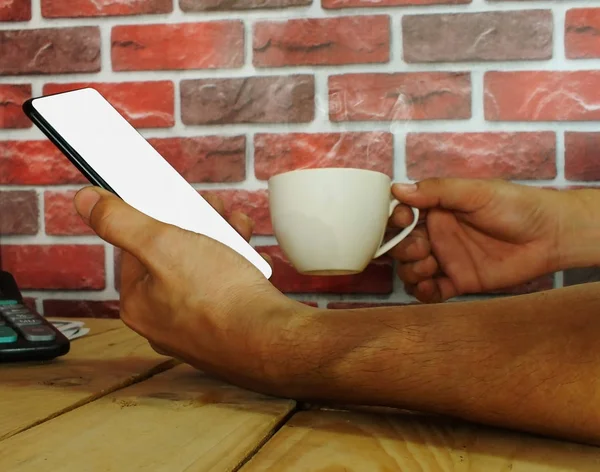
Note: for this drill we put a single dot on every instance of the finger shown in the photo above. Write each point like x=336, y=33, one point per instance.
x=216, y=202
x=268, y=258
x=123, y=226
x=415, y=272
x=435, y=290
x=425, y=291
x=402, y=217
x=446, y=288
x=242, y=224
x=409, y=289
x=463, y=195
x=414, y=247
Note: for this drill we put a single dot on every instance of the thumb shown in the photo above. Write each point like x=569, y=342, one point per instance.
x=120, y=224
x=452, y=194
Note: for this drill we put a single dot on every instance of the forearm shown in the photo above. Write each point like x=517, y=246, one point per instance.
x=580, y=229
x=529, y=362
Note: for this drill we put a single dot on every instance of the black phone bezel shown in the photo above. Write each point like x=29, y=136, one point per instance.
x=64, y=147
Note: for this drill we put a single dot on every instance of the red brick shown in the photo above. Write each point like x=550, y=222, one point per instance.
x=205, y=159
x=520, y=156
x=400, y=96
x=50, y=50
x=68, y=267
x=254, y=203
x=376, y=279
x=486, y=36
x=320, y=41
x=335, y=4
x=85, y=8
x=35, y=163
x=81, y=308
x=277, y=153
x=582, y=156
x=18, y=212
x=313, y=304
x=216, y=44
x=61, y=218
x=582, y=33
x=542, y=96
x=11, y=99
x=15, y=10
x=229, y=5
x=143, y=104
x=356, y=305
x=273, y=99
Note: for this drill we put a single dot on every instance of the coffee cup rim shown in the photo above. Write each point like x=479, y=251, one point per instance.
x=328, y=169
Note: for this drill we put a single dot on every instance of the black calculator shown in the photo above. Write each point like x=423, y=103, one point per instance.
x=24, y=334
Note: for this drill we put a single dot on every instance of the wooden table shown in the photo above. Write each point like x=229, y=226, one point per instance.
x=113, y=404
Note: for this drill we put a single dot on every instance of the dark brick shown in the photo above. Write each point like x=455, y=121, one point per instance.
x=19, y=212
x=50, y=50
x=287, y=99
x=489, y=36
x=582, y=156
x=231, y=5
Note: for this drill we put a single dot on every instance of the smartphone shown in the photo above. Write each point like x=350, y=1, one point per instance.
x=111, y=154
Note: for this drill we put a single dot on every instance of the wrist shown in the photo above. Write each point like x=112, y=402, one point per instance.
x=287, y=341
x=579, y=244
x=340, y=355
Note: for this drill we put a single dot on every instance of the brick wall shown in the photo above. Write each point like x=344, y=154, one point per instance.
x=231, y=92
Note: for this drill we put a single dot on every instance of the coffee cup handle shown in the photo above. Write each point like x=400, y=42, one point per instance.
x=403, y=234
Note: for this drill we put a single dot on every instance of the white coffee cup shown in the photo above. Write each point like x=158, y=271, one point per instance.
x=332, y=221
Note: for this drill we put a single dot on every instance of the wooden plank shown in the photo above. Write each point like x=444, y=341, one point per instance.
x=33, y=392
x=178, y=420
x=336, y=441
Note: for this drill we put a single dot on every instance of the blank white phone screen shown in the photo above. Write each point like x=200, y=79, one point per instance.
x=134, y=169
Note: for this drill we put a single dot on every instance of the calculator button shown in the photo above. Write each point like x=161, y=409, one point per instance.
x=37, y=333
x=7, y=335
x=8, y=302
x=14, y=309
x=27, y=322
x=19, y=316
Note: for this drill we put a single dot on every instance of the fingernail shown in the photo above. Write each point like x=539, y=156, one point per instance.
x=85, y=201
x=406, y=188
